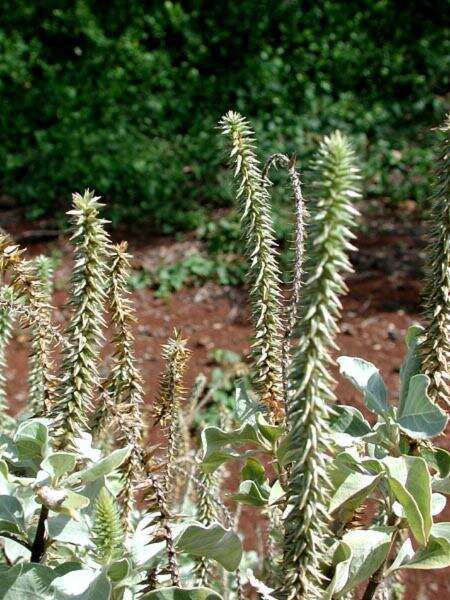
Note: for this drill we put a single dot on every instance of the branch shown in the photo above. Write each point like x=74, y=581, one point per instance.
x=38, y=548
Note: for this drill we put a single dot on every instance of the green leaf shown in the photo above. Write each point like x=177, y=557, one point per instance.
x=438, y=459
x=251, y=494
x=341, y=562
x=11, y=515
x=367, y=379
x=214, y=542
x=352, y=493
x=31, y=439
x=410, y=482
x=58, y=464
x=412, y=364
x=26, y=581
x=118, y=570
x=270, y=432
x=100, y=468
x=254, y=471
x=64, y=529
x=435, y=555
x=276, y=493
x=218, y=444
x=175, y=593
x=369, y=548
x=418, y=417
x=82, y=584
x=347, y=419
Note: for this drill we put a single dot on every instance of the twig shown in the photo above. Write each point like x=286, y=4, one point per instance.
x=38, y=547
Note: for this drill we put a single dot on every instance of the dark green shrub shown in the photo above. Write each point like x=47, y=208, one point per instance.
x=125, y=95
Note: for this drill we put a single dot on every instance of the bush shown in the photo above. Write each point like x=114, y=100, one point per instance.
x=124, y=96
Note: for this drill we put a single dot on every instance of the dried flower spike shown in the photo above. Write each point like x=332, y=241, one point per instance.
x=124, y=388
x=167, y=408
x=34, y=310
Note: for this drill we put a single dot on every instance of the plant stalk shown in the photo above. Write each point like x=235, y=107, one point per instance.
x=38, y=547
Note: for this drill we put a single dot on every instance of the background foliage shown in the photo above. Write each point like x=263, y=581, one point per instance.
x=125, y=95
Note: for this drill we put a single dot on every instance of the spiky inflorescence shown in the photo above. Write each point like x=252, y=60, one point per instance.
x=156, y=508
x=292, y=305
x=108, y=536
x=84, y=333
x=435, y=346
x=263, y=271
x=167, y=408
x=310, y=382
x=207, y=514
x=36, y=313
x=44, y=272
x=6, y=322
x=125, y=382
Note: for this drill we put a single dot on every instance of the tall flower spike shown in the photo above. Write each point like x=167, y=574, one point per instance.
x=6, y=321
x=264, y=277
x=435, y=346
x=107, y=531
x=292, y=306
x=167, y=408
x=84, y=333
x=125, y=383
x=35, y=313
x=310, y=382
x=44, y=273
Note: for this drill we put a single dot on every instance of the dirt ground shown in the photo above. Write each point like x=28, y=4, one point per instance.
x=383, y=300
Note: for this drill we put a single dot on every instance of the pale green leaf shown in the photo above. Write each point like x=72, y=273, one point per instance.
x=367, y=379
x=101, y=468
x=11, y=515
x=214, y=542
x=418, y=417
x=64, y=529
x=349, y=420
x=251, y=494
x=353, y=492
x=175, y=593
x=26, y=581
x=219, y=445
x=369, y=548
x=341, y=562
x=412, y=364
x=410, y=482
x=83, y=584
x=58, y=464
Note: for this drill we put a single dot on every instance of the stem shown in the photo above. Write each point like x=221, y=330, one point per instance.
x=38, y=548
